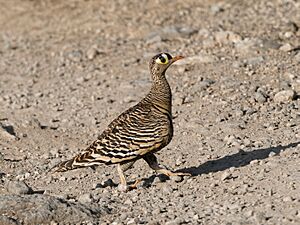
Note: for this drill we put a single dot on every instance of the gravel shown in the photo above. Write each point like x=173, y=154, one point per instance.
x=42, y=209
x=18, y=188
x=236, y=102
x=285, y=96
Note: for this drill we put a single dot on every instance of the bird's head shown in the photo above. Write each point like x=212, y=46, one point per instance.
x=160, y=63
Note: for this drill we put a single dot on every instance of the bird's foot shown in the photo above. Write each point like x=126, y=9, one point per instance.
x=181, y=174
x=170, y=173
x=126, y=188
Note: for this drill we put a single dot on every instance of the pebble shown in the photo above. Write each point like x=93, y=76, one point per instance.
x=285, y=96
x=92, y=52
x=271, y=154
x=287, y=199
x=75, y=55
x=254, y=162
x=286, y=47
x=85, y=198
x=177, y=221
x=176, y=178
x=226, y=175
x=18, y=188
x=7, y=132
x=255, y=60
x=296, y=85
x=216, y=8
x=226, y=37
x=166, y=188
x=259, y=97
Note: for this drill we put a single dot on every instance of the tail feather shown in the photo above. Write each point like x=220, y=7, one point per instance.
x=79, y=161
x=63, y=166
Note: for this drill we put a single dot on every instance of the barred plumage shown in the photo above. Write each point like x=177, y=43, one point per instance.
x=137, y=133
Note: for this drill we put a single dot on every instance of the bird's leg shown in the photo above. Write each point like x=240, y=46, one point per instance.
x=151, y=159
x=122, y=167
x=123, y=182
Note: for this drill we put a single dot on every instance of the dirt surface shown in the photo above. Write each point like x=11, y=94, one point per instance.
x=67, y=68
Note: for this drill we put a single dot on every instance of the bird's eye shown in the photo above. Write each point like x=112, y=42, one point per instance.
x=162, y=59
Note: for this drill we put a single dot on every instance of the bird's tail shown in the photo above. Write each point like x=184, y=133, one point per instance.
x=80, y=160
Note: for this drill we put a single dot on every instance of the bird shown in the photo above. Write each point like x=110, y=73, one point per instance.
x=138, y=133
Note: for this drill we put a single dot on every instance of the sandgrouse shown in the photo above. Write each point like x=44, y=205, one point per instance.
x=137, y=133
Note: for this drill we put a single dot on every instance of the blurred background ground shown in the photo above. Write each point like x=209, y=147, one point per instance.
x=67, y=68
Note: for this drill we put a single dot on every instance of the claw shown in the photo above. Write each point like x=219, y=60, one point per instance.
x=181, y=174
x=126, y=188
x=170, y=173
x=134, y=186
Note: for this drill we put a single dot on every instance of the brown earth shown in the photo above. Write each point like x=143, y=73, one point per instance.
x=67, y=68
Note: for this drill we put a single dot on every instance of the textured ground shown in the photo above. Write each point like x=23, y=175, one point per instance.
x=67, y=68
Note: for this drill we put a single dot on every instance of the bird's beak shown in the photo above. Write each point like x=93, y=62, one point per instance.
x=178, y=57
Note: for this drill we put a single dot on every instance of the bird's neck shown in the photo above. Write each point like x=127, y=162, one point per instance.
x=160, y=93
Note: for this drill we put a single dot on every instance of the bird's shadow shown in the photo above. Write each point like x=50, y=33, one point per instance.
x=236, y=160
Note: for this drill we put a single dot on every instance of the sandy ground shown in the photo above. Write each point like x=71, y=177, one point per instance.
x=67, y=68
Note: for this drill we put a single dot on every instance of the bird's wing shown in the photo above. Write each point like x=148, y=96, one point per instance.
x=137, y=131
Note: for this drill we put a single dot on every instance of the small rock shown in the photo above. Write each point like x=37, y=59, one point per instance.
x=255, y=60
x=271, y=154
x=226, y=175
x=259, y=97
x=133, y=221
x=286, y=47
x=122, y=188
x=249, y=213
x=7, y=132
x=296, y=85
x=1, y=157
x=271, y=44
x=92, y=52
x=18, y=188
x=176, y=178
x=285, y=96
x=254, y=162
x=297, y=57
x=85, y=198
x=62, y=178
x=177, y=221
x=226, y=37
x=166, y=188
x=287, y=199
x=216, y=8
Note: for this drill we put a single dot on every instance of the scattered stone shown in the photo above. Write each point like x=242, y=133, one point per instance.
x=18, y=188
x=271, y=154
x=75, y=55
x=42, y=209
x=92, y=52
x=254, y=162
x=216, y=8
x=122, y=188
x=85, y=198
x=259, y=97
x=226, y=176
x=7, y=132
x=296, y=86
x=255, y=60
x=176, y=178
x=287, y=199
x=286, y=47
x=271, y=44
x=285, y=96
x=226, y=37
